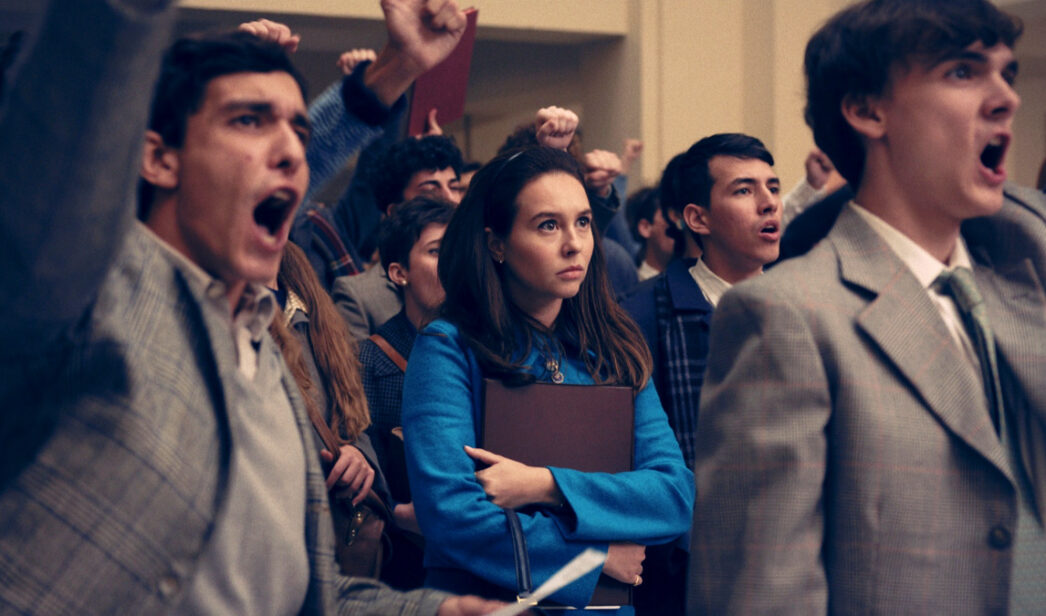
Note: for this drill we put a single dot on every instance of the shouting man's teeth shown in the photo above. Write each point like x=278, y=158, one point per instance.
x=283, y=194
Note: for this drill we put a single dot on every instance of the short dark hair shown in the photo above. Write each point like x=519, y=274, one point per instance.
x=687, y=179
x=405, y=158
x=641, y=206
x=400, y=230
x=853, y=54
x=189, y=66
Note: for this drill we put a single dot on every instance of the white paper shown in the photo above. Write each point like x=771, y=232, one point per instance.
x=579, y=566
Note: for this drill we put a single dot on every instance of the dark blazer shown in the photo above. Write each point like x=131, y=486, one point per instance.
x=846, y=458
x=674, y=317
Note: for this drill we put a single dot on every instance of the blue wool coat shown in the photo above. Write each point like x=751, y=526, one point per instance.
x=464, y=530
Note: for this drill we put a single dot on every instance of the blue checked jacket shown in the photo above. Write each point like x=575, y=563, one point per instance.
x=383, y=381
x=674, y=317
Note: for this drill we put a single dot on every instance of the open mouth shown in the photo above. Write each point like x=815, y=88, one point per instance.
x=274, y=210
x=993, y=153
x=770, y=227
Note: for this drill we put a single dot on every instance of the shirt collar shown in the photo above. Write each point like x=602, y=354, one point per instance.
x=255, y=310
x=709, y=282
x=923, y=265
x=256, y=307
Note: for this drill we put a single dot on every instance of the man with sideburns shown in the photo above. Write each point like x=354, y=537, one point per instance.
x=156, y=455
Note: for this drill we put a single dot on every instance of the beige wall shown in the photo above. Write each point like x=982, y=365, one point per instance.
x=713, y=66
x=666, y=71
x=706, y=66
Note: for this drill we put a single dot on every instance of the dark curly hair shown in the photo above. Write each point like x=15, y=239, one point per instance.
x=405, y=158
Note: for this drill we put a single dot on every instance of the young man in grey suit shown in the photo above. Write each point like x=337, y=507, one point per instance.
x=156, y=455
x=871, y=434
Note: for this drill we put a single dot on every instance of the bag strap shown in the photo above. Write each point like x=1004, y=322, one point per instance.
x=392, y=353
x=524, y=586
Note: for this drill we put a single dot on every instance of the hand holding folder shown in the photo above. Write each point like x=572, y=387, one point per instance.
x=589, y=428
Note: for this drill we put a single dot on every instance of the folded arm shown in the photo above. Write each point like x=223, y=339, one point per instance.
x=464, y=529
x=650, y=505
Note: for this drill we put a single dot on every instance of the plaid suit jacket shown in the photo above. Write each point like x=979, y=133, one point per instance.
x=674, y=317
x=846, y=459
x=114, y=435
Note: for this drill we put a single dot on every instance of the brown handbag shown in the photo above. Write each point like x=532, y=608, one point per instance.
x=359, y=530
x=360, y=535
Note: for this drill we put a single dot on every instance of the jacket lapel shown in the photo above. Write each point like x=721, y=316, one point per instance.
x=684, y=292
x=1016, y=306
x=319, y=533
x=901, y=319
x=1017, y=312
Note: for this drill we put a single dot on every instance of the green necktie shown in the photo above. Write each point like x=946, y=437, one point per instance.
x=959, y=284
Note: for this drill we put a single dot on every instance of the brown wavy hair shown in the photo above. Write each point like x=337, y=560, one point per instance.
x=334, y=351
x=501, y=335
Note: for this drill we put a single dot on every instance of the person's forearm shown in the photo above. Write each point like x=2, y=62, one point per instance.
x=603, y=208
x=548, y=492
x=390, y=75
x=72, y=123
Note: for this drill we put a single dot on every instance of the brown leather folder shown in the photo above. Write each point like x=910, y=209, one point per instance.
x=589, y=428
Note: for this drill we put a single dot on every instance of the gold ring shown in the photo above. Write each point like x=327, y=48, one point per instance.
x=639, y=580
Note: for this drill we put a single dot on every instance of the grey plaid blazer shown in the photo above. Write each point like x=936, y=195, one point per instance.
x=114, y=435
x=846, y=459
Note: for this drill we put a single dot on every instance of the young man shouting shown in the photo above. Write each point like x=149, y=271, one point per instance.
x=871, y=436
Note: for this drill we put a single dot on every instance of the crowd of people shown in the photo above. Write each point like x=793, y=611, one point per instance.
x=222, y=397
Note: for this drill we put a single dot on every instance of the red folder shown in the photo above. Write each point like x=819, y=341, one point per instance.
x=584, y=427
x=443, y=86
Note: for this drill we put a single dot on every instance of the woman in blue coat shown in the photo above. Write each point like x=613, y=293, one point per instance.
x=528, y=300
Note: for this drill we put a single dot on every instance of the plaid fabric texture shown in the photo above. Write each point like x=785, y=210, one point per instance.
x=684, y=346
x=383, y=381
x=674, y=316
x=338, y=261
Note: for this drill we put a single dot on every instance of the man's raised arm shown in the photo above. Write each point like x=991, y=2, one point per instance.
x=421, y=34
x=72, y=122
